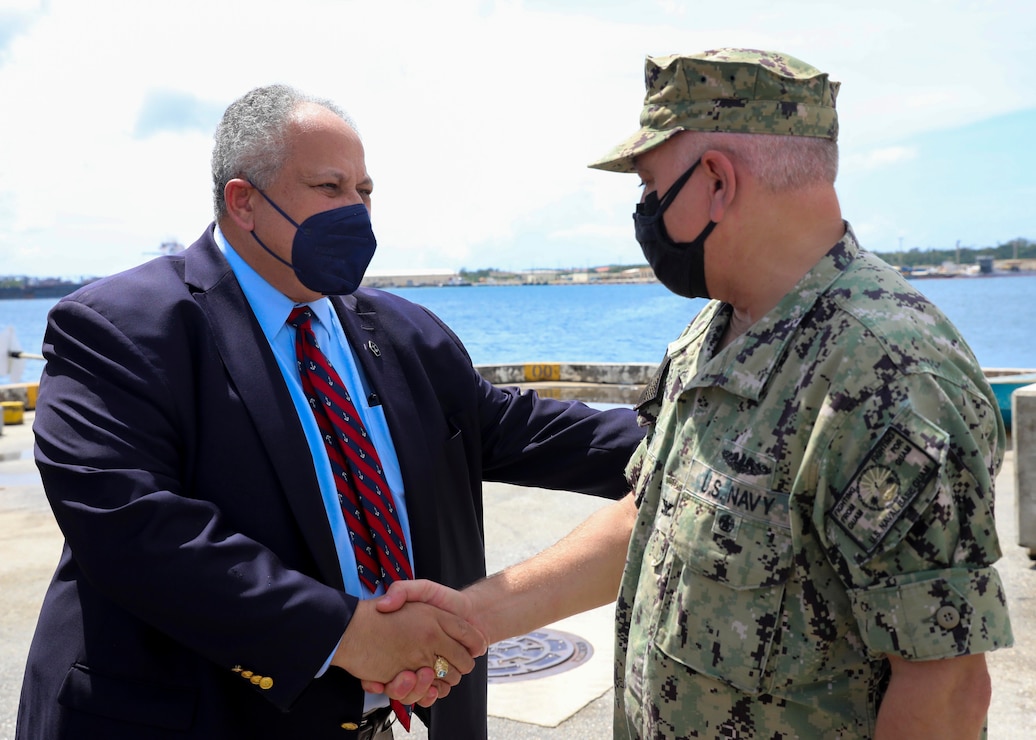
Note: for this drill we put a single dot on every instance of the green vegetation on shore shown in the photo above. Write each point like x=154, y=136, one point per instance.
x=1016, y=249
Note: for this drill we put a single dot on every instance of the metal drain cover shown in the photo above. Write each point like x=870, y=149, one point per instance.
x=535, y=655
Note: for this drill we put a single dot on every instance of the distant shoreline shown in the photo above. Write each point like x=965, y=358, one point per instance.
x=54, y=288
x=966, y=275
x=384, y=283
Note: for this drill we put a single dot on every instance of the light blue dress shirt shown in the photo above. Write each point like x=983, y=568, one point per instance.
x=271, y=309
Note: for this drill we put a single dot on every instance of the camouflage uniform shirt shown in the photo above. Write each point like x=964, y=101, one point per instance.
x=814, y=496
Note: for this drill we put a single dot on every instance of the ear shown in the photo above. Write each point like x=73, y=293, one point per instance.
x=238, y=195
x=720, y=171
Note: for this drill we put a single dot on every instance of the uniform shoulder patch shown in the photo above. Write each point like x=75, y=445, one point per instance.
x=895, y=471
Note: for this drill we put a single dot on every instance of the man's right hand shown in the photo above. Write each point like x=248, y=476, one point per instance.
x=380, y=645
x=580, y=572
x=419, y=687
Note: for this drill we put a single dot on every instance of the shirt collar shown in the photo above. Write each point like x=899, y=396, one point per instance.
x=270, y=306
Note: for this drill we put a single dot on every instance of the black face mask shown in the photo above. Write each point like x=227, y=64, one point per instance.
x=679, y=267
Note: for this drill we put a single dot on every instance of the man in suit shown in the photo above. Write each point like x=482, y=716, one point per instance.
x=208, y=586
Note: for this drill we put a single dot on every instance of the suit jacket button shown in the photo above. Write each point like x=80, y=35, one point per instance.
x=350, y=726
x=255, y=679
x=266, y=683
x=246, y=674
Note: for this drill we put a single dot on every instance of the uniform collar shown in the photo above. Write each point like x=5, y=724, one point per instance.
x=746, y=365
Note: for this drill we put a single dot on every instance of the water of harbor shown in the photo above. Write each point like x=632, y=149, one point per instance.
x=634, y=323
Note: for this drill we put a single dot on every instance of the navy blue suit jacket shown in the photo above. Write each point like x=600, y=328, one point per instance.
x=196, y=538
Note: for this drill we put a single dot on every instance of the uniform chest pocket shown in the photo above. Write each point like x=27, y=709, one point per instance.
x=726, y=575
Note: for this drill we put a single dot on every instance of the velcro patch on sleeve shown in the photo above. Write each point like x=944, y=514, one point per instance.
x=896, y=470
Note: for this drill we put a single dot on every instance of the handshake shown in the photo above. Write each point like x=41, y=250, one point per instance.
x=417, y=641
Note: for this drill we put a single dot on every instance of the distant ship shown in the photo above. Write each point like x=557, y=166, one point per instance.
x=169, y=247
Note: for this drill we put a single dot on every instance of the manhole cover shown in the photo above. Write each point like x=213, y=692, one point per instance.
x=535, y=655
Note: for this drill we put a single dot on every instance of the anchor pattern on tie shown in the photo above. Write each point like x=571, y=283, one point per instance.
x=364, y=494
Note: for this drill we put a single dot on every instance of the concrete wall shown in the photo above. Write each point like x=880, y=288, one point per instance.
x=1023, y=435
x=636, y=373
x=591, y=382
x=24, y=392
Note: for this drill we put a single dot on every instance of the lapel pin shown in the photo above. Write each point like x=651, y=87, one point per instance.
x=374, y=348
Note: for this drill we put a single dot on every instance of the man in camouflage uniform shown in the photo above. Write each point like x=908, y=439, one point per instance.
x=815, y=491
x=813, y=541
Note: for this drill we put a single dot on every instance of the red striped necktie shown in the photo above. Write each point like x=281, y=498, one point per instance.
x=363, y=492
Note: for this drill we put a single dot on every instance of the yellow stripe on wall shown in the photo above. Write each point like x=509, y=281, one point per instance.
x=543, y=371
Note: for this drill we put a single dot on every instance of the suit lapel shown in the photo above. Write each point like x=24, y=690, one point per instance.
x=256, y=377
x=374, y=346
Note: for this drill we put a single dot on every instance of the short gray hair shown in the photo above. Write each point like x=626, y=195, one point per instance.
x=250, y=139
x=779, y=162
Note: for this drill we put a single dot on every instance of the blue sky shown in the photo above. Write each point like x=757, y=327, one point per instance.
x=479, y=117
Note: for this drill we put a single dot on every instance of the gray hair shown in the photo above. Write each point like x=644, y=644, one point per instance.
x=251, y=137
x=780, y=163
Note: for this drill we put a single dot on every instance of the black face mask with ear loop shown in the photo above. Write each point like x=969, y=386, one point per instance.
x=678, y=266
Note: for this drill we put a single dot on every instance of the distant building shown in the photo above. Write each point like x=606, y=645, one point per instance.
x=639, y=274
x=416, y=278
x=538, y=276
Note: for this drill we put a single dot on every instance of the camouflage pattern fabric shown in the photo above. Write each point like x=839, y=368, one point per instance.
x=741, y=91
x=812, y=497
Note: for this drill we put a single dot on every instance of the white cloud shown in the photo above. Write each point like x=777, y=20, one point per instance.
x=879, y=158
x=586, y=230
x=478, y=117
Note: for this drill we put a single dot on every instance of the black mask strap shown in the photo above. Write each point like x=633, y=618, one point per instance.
x=676, y=187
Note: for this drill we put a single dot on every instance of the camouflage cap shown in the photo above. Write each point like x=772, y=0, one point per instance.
x=742, y=91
